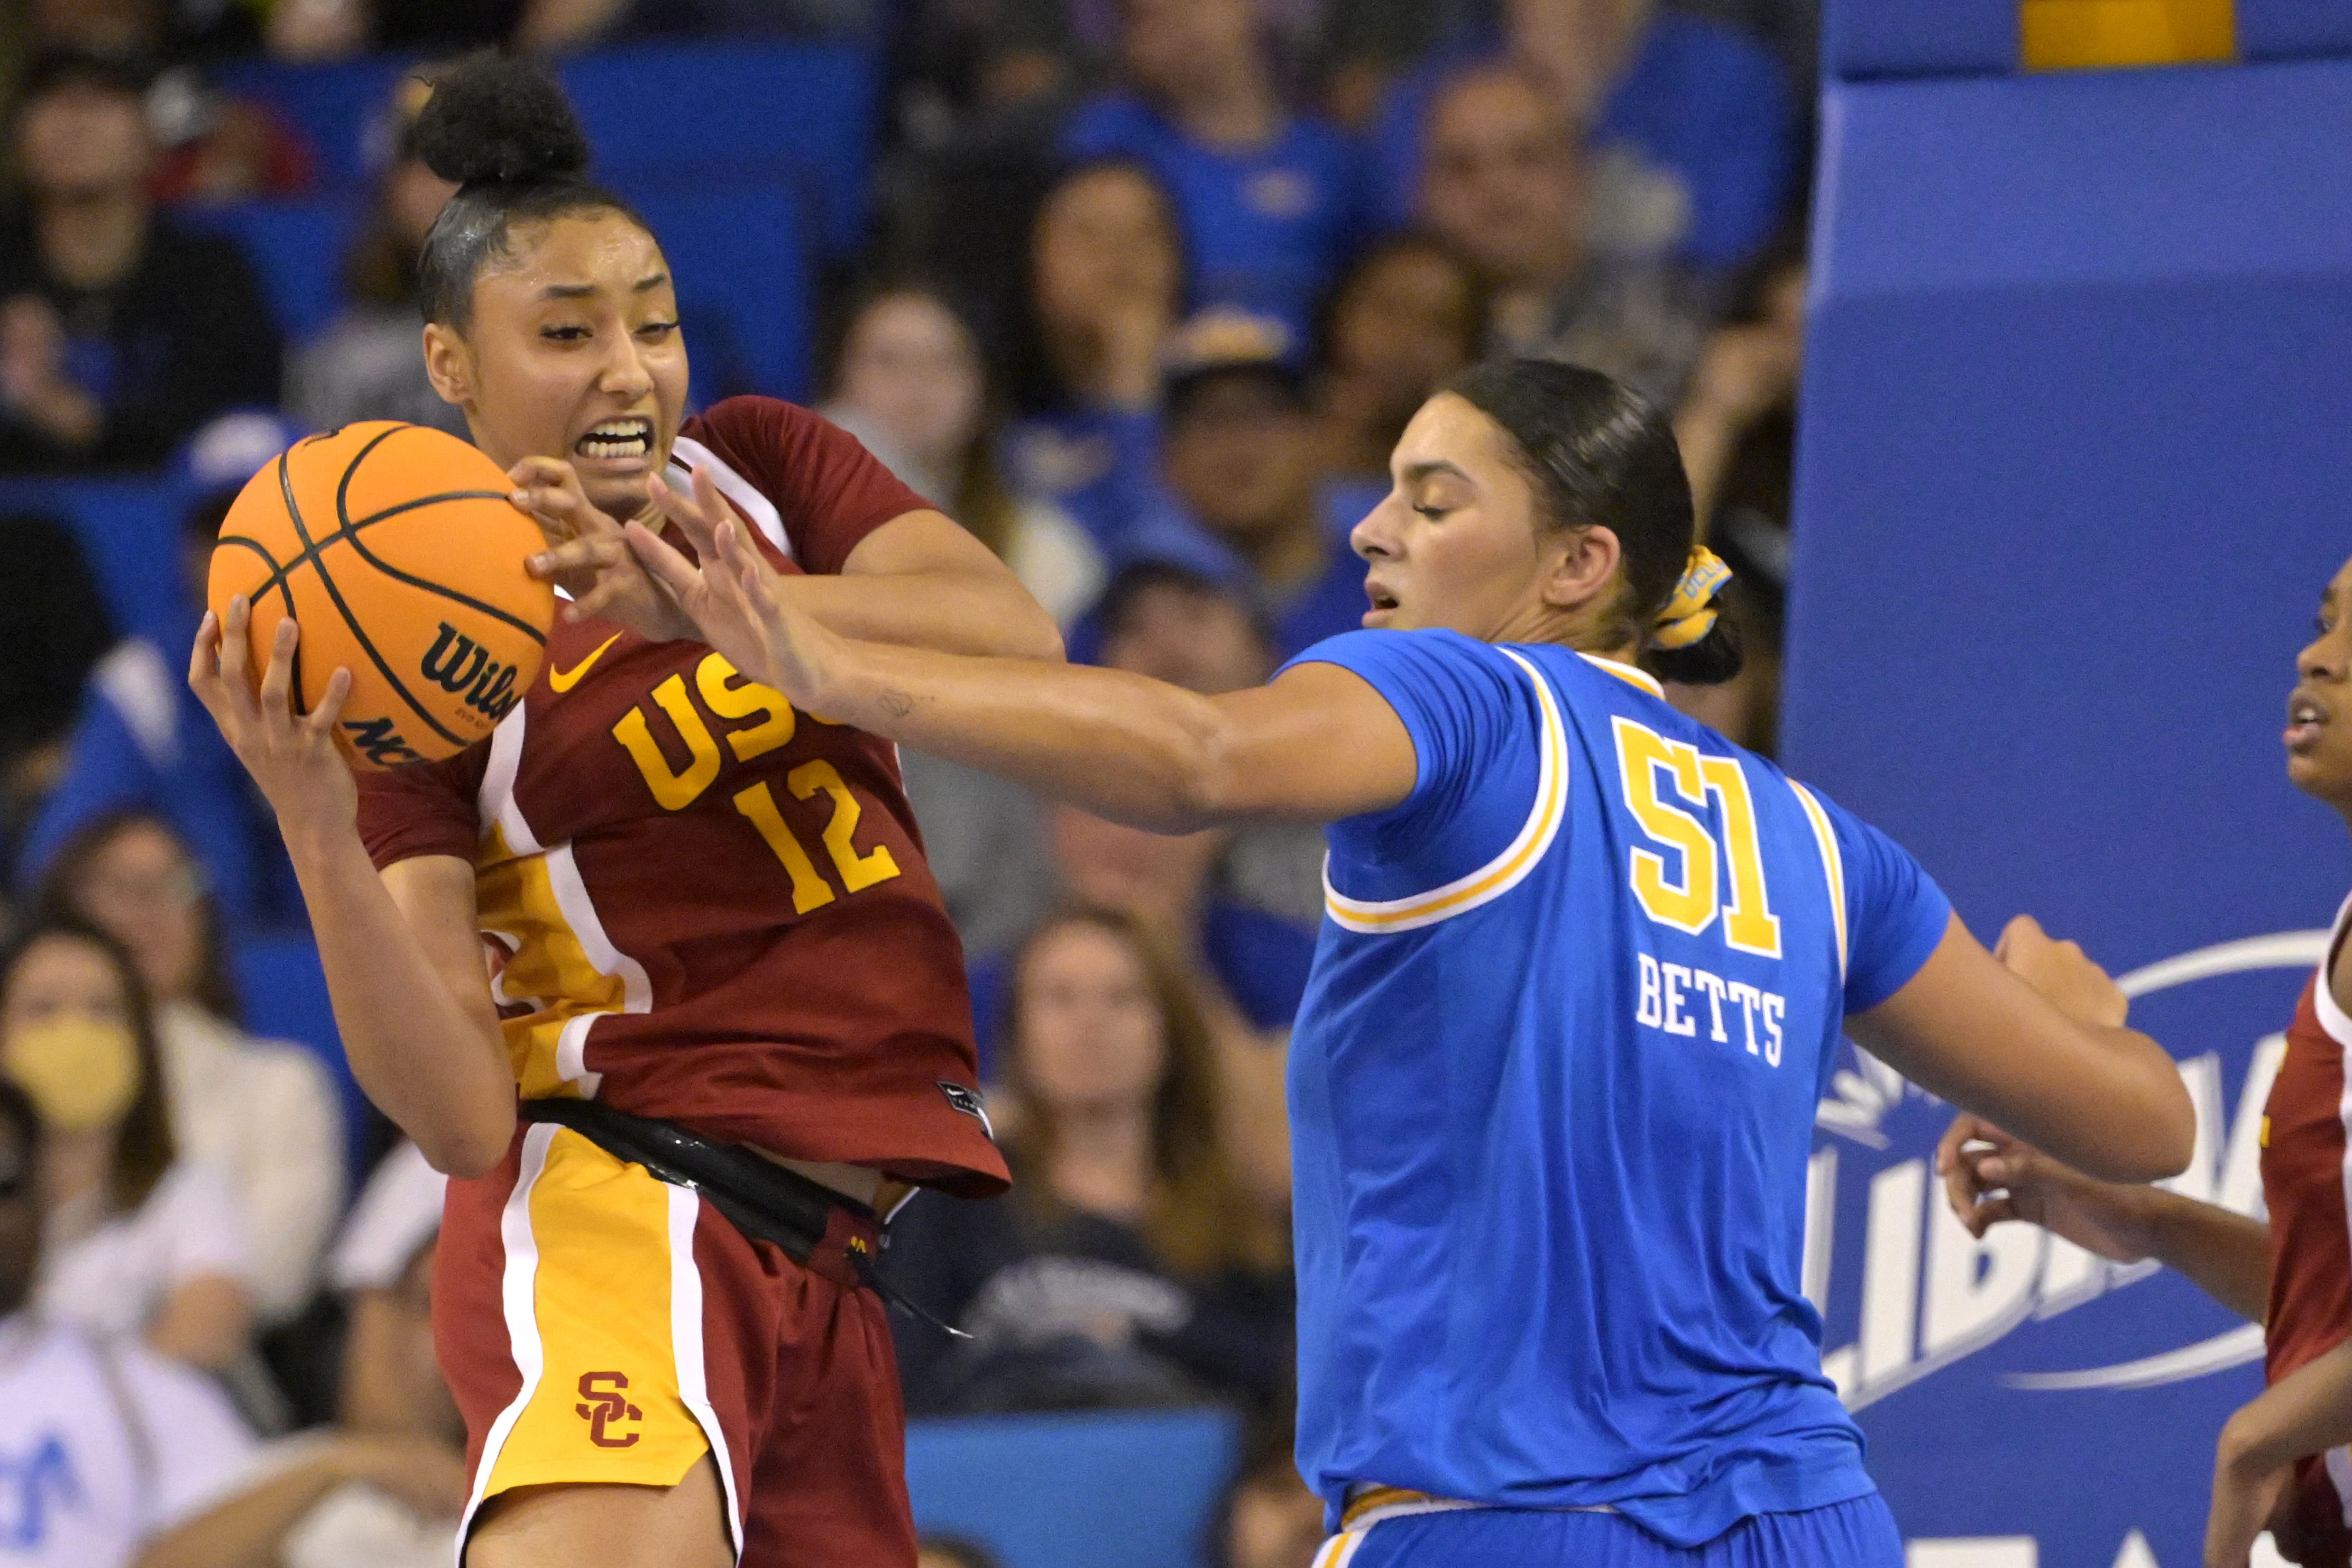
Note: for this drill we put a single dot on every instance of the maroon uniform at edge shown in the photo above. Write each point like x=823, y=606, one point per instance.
x=2303, y=1174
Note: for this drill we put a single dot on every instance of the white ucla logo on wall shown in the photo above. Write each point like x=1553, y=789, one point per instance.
x=1933, y=1295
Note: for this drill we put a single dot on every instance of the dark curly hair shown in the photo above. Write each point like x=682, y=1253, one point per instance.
x=500, y=129
x=1602, y=455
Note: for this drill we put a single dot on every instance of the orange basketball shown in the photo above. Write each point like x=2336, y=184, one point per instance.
x=395, y=549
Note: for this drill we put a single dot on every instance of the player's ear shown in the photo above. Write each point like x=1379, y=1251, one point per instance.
x=1580, y=565
x=448, y=365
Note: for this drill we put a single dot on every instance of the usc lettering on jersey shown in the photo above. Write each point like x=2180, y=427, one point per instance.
x=713, y=908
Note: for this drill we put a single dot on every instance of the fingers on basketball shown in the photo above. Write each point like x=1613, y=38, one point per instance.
x=399, y=552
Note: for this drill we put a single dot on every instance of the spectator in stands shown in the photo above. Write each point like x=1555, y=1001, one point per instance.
x=369, y=362
x=1507, y=184
x=1736, y=425
x=1240, y=459
x=1269, y=1519
x=53, y=631
x=1690, y=119
x=1738, y=431
x=1105, y=283
x=129, y=874
x=384, y=1485
x=1271, y=202
x=120, y=334
x=107, y=1442
x=1406, y=315
x=140, y=738
x=909, y=379
x=137, y=1239
x=1130, y=1264
x=211, y=145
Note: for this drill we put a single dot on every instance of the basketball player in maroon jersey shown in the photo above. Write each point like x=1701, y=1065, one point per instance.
x=727, y=1028
x=2283, y=1463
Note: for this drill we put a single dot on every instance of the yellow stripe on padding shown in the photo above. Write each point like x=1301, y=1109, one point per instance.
x=1497, y=876
x=608, y=1406
x=2107, y=34
x=1832, y=863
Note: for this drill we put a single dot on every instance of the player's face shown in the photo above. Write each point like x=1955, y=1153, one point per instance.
x=1454, y=544
x=2319, y=711
x=574, y=352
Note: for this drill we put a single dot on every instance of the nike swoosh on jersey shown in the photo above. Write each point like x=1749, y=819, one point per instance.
x=564, y=680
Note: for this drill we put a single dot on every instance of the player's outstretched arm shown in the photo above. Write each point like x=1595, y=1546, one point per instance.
x=403, y=961
x=1317, y=745
x=919, y=580
x=1991, y=1177
x=2034, y=1040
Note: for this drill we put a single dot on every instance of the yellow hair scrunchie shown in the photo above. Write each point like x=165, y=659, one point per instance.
x=1690, y=614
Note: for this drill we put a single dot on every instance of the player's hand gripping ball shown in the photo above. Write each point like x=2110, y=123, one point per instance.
x=396, y=549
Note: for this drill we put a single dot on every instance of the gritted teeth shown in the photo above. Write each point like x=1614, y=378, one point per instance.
x=618, y=438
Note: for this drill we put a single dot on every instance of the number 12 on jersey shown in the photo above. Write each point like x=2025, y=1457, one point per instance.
x=1669, y=787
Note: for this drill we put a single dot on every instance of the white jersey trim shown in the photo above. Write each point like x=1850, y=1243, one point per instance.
x=731, y=484
x=1497, y=876
x=2332, y=1015
x=497, y=806
x=1832, y=865
x=518, y=1292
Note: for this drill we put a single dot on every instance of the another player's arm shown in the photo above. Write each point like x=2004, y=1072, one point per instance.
x=402, y=960
x=919, y=580
x=922, y=580
x=1991, y=1177
x=1317, y=745
x=2037, y=1044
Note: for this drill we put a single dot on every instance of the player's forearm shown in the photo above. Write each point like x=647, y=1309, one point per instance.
x=951, y=612
x=2116, y=1111
x=2309, y=1411
x=437, y=1069
x=1134, y=750
x=2223, y=1253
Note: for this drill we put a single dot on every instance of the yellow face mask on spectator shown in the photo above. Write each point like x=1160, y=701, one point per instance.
x=80, y=1072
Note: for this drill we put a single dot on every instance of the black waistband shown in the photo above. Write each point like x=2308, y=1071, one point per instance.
x=761, y=1198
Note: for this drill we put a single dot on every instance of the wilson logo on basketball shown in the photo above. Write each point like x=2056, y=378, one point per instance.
x=606, y=1408
x=461, y=667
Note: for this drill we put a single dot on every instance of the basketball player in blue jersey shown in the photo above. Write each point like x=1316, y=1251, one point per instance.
x=1584, y=970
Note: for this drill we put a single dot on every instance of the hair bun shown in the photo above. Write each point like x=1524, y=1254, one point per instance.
x=498, y=119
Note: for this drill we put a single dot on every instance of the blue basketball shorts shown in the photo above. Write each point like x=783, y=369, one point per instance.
x=1857, y=1533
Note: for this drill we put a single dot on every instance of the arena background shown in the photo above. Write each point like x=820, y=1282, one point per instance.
x=2073, y=425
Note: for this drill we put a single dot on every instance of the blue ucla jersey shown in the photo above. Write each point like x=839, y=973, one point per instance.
x=1551, y=1093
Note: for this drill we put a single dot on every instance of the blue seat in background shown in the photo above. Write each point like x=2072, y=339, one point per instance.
x=656, y=110
x=299, y=249
x=1129, y=1490
x=740, y=252
x=334, y=106
x=129, y=532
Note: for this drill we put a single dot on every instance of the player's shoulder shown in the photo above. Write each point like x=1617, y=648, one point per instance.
x=751, y=429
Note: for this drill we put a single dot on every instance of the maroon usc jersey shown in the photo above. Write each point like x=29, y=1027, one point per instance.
x=715, y=909
x=2304, y=1176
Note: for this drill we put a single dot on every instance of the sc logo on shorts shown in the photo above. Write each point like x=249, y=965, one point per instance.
x=605, y=1408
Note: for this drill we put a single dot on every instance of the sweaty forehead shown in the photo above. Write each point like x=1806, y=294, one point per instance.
x=1448, y=435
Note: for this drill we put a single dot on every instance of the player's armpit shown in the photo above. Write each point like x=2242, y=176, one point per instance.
x=2108, y=1101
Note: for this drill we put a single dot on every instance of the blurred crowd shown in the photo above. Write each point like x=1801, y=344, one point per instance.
x=1147, y=291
